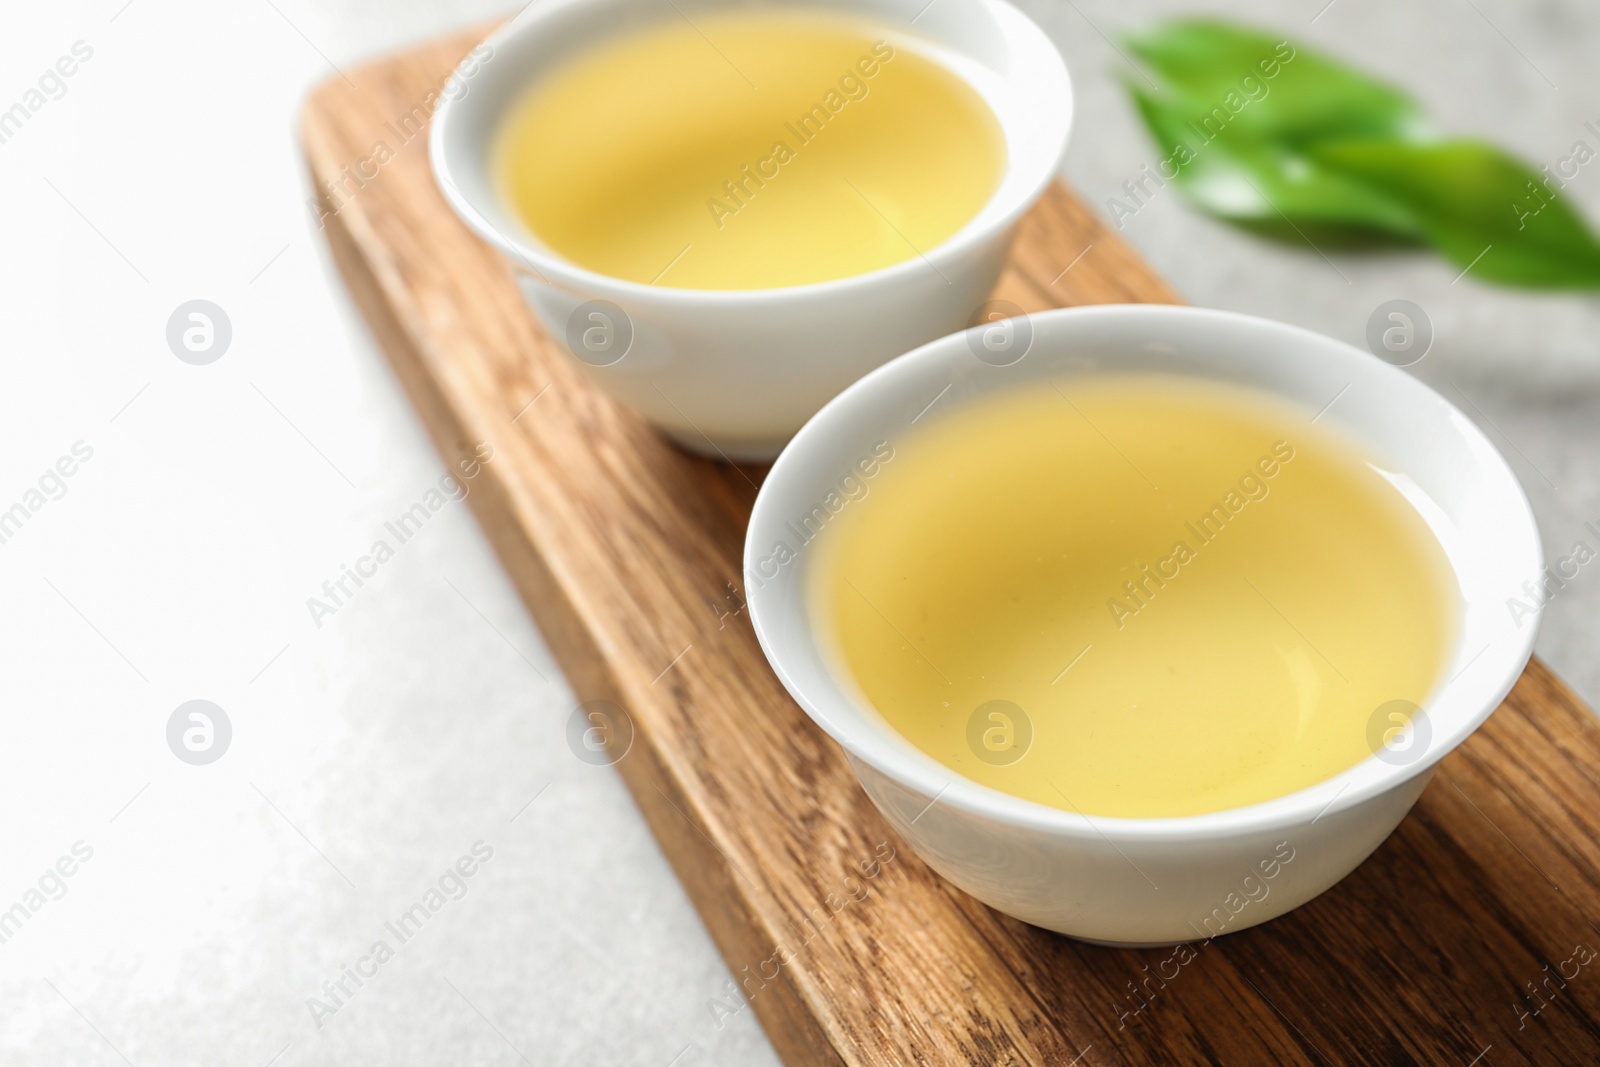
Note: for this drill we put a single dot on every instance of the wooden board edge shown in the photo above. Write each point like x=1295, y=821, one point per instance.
x=794, y=1028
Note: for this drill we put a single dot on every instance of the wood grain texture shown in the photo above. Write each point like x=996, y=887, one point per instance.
x=627, y=553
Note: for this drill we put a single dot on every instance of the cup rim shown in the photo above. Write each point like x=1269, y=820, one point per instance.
x=950, y=788
x=560, y=271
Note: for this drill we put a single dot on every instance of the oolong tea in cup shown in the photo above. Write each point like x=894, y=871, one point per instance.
x=1135, y=596
x=1156, y=631
x=841, y=155
x=729, y=212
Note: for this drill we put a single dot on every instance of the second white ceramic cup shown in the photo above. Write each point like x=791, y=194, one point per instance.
x=1159, y=880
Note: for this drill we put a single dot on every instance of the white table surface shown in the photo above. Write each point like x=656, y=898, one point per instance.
x=372, y=752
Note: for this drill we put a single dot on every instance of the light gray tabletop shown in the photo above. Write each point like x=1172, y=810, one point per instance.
x=212, y=911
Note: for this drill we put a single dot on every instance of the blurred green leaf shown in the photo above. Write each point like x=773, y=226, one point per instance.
x=1473, y=200
x=1269, y=184
x=1290, y=93
x=1294, y=145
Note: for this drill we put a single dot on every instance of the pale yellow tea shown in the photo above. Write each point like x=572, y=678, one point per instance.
x=749, y=150
x=1135, y=597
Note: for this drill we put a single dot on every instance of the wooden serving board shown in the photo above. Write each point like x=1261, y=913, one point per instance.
x=1479, y=909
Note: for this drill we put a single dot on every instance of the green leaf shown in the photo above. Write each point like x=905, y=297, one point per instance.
x=1289, y=93
x=1294, y=145
x=1268, y=184
x=1473, y=200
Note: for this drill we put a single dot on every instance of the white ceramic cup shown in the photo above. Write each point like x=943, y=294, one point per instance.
x=734, y=373
x=1152, y=881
